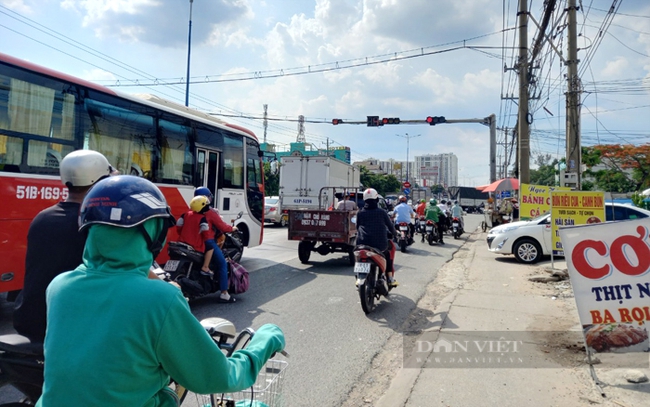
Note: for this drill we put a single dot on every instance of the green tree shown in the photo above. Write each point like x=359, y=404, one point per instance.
x=384, y=184
x=271, y=181
x=546, y=171
x=626, y=167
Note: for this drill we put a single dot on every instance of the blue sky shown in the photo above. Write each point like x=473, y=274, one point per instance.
x=146, y=40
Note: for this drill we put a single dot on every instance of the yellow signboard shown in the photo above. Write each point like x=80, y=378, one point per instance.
x=534, y=200
x=569, y=208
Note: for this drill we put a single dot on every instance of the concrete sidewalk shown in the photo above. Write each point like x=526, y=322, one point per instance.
x=537, y=355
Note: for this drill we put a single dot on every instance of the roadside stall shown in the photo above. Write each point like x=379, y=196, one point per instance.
x=500, y=206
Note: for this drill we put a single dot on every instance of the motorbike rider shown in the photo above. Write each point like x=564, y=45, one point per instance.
x=457, y=212
x=56, y=230
x=404, y=213
x=373, y=226
x=434, y=214
x=124, y=335
x=419, y=210
x=202, y=201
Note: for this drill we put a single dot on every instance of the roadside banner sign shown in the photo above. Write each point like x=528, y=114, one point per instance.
x=535, y=200
x=570, y=208
x=609, y=265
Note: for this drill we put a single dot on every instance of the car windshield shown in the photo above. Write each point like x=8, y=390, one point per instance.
x=270, y=201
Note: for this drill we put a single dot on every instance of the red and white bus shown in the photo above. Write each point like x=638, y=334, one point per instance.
x=45, y=115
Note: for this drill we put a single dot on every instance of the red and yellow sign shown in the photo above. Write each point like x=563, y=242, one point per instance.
x=570, y=208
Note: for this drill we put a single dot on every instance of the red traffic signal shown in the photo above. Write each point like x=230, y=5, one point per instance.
x=390, y=120
x=337, y=121
x=433, y=120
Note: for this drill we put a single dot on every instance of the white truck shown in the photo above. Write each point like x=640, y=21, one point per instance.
x=302, y=177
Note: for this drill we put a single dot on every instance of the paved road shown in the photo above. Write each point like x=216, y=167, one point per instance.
x=330, y=339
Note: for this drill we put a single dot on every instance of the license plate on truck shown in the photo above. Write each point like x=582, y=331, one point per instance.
x=361, y=268
x=171, y=265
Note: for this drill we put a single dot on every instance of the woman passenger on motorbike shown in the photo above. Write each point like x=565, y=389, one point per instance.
x=114, y=337
x=373, y=226
x=203, y=199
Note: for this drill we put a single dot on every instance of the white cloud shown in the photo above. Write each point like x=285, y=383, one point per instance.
x=615, y=67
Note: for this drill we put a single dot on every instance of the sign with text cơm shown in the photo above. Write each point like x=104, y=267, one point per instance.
x=609, y=268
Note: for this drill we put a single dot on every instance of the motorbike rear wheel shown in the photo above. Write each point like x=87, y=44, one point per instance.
x=367, y=292
x=402, y=245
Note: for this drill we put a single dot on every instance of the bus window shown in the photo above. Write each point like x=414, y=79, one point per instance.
x=176, y=161
x=233, y=162
x=125, y=133
x=11, y=150
x=46, y=154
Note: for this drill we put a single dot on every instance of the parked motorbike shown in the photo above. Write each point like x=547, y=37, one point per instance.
x=21, y=366
x=431, y=232
x=457, y=227
x=370, y=270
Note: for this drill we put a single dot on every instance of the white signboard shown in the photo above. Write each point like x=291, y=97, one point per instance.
x=609, y=268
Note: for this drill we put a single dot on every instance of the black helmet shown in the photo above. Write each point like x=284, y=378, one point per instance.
x=126, y=201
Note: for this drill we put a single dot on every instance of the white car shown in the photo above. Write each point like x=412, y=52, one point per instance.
x=530, y=240
x=273, y=213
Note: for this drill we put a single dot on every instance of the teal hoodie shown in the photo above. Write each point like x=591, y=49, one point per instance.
x=114, y=337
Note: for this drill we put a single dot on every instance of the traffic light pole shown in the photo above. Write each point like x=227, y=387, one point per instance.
x=490, y=121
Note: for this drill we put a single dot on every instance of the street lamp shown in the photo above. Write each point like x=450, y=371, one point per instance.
x=189, y=48
x=407, y=137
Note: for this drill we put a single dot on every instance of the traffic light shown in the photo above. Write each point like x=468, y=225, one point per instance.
x=337, y=121
x=390, y=120
x=433, y=120
x=373, y=121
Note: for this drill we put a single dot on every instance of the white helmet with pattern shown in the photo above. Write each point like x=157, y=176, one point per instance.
x=370, y=193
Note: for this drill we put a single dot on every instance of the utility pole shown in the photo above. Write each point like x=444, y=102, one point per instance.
x=266, y=121
x=524, y=130
x=189, y=48
x=573, y=174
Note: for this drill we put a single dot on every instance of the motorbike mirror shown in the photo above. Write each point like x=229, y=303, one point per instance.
x=353, y=220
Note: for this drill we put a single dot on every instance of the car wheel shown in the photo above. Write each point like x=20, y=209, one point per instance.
x=527, y=251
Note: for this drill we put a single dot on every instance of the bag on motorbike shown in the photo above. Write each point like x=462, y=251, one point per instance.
x=238, y=278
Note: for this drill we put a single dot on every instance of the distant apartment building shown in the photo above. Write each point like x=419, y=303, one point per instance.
x=372, y=164
x=437, y=169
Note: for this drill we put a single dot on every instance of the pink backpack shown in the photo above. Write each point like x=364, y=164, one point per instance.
x=238, y=278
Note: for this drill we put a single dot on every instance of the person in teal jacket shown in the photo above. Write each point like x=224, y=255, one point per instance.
x=114, y=337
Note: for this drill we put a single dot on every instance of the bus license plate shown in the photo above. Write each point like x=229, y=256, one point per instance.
x=171, y=265
x=361, y=268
